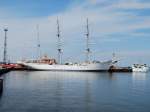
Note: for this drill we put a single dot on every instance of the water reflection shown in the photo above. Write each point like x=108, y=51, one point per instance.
x=88, y=96
x=74, y=91
x=139, y=76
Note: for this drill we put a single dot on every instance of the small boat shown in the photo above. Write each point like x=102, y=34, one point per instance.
x=140, y=68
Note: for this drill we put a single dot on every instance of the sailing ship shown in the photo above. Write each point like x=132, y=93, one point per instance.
x=87, y=66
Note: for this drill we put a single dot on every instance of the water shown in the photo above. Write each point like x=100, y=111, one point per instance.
x=75, y=92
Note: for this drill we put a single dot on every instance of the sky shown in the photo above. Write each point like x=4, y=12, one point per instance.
x=116, y=26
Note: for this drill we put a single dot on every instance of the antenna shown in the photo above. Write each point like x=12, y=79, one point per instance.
x=5, y=47
x=38, y=43
x=59, y=44
x=87, y=43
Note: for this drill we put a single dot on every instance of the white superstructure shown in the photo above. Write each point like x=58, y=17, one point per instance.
x=140, y=68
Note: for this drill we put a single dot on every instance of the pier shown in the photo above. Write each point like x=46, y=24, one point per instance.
x=1, y=85
x=4, y=70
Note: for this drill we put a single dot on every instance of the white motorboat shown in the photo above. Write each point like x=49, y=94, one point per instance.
x=140, y=68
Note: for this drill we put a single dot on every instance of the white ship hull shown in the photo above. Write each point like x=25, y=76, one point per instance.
x=140, y=68
x=102, y=66
x=146, y=69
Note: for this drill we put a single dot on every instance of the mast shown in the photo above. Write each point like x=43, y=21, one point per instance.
x=38, y=42
x=59, y=44
x=5, y=47
x=87, y=43
x=114, y=57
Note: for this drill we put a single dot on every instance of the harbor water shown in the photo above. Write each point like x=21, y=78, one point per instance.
x=46, y=91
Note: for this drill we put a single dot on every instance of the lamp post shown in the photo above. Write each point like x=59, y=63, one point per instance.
x=5, y=47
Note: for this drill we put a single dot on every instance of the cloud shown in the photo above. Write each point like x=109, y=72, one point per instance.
x=132, y=5
x=104, y=20
x=121, y=4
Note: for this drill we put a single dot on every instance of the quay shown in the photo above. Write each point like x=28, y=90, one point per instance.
x=1, y=85
x=4, y=70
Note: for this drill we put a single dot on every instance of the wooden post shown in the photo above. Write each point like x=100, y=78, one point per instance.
x=1, y=85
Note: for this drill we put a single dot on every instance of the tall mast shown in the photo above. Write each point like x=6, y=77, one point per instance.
x=38, y=42
x=5, y=47
x=59, y=44
x=87, y=43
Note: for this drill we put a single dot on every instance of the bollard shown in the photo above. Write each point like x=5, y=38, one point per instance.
x=1, y=85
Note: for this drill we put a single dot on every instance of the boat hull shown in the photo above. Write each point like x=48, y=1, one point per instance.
x=140, y=68
x=92, y=67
